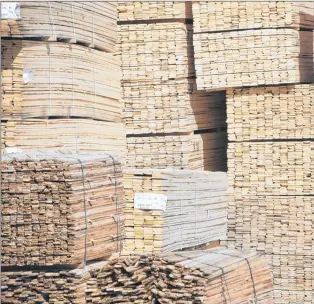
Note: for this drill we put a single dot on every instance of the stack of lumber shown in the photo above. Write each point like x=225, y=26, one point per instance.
x=237, y=15
x=155, y=53
x=271, y=168
x=173, y=110
x=54, y=79
x=150, y=10
x=280, y=112
x=48, y=287
x=79, y=135
x=60, y=208
x=216, y=276
x=253, y=57
x=195, y=213
x=178, y=151
x=93, y=24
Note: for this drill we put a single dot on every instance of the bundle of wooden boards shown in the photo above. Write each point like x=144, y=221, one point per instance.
x=253, y=57
x=48, y=287
x=78, y=135
x=93, y=24
x=60, y=208
x=236, y=15
x=216, y=276
x=281, y=112
x=54, y=79
x=150, y=10
x=195, y=213
x=204, y=151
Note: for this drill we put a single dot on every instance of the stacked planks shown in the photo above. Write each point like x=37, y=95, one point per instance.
x=204, y=151
x=131, y=11
x=60, y=209
x=48, y=287
x=54, y=79
x=187, y=277
x=284, y=112
x=236, y=15
x=195, y=213
x=158, y=85
x=79, y=135
x=253, y=57
x=93, y=24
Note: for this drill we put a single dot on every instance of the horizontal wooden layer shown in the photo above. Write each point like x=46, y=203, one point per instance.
x=270, y=168
x=195, y=214
x=42, y=79
x=77, y=135
x=94, y=24
x=205, y=151
x=226, y=16
x=252, y=58
x=60, y=209
x=153, y=10
x=281, y=112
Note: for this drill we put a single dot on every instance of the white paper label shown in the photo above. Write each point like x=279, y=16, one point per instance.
x=150, y=201
x=13, y=150
x=10, y=10
x=27, y=75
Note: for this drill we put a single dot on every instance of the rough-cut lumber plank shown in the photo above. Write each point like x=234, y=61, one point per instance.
x=187, y=277
x=271, y=168
x=220, y=16
x=79, y=135
x=60, y=208
x=91, y=23
x=195, y=212
x=41, y=79
x=253, y=57
x=150, y=10
x=206, y=151
x=281, y=112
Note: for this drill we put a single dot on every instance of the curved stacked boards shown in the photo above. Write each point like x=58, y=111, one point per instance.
x=90, y=23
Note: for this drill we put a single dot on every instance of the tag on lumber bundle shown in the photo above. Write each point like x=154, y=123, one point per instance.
x=60, y=208
x=253, y=58
x=205, y=151
x=89, y=23
x=195, y=213
x=54, y=79
x=194, y=277
x=238, y=15
x=78, y=135
x=271, y=168
x=149, y=10
x=282, y=112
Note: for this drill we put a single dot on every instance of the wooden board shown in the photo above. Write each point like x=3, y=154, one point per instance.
x=187, y=277
x=205, y=151
x=60, y=208
x=252, y=58
x=76, y=135
x=54, y=79
x=93, y=24
x=271, y=168
x=220, y=16
x=281, y=112
x=195, y=214
x=150, y=10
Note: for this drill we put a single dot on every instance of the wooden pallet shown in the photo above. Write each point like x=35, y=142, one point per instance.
x=253, y=58
x=226, y=16
x=195, y=213
x=205, y=151
x=76, y=135
x=60, y=209
x=281, y=112
x=91, y=24
x=54, y=79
